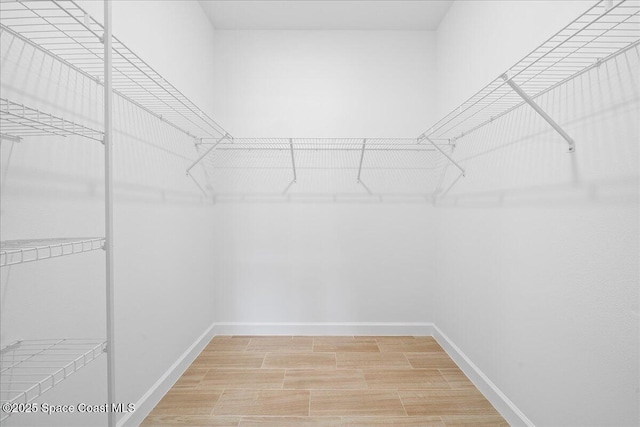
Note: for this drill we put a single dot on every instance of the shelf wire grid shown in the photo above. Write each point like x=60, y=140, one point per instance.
x=597, y=35
x=29, y=368
x=18, y=121
x=28, y=250
x=252, y=166
x=66, y=31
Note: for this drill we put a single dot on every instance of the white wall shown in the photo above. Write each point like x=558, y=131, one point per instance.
x=530, y=267
x=538, y=249
x=163, y=243
x=324, y=262
x=325, y=83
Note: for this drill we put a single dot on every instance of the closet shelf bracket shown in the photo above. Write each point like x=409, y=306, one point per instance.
x=10, y=138
x=453, y=162
x=526, y=98
x=364, y=144
x=293, y=161
x=209, y=150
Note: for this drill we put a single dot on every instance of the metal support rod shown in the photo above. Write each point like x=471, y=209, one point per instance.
x=108, y=184
x=11, y=138
x=198, y=185
x=364, y=144
x=517, y=89
x=226, y=135
x=293, y=160
x=451, y=186
x=447, y=156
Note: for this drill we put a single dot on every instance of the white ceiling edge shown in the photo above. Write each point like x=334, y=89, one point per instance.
x=325, y=14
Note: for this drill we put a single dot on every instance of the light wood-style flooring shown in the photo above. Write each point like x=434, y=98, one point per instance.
x=279, y=381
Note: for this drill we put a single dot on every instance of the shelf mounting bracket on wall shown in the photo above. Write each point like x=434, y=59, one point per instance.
x=517, y=89
x=453, y=162
x=203, y=155
x=293, y=161
x=10, y=138
x=364, y=144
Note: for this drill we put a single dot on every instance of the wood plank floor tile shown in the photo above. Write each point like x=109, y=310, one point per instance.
x=372, y=360
x=324, y=379
x=416, y=346
x=446, y=402
x=392, y=422
x=281, y=344
x=227, y=343
x=344, y=344
x=355, y=402
x=474, y=421
x=405, y=379
x=342, y=339
x=392, y=339
x=187, y=402
x=432, y=360
x=300, y=360
x=190, y=379
x=302, y=381
x=229, y=359
x=457, y=379
x=225, y=378
x=263, y=402
x=290, y=422
x=190, y=421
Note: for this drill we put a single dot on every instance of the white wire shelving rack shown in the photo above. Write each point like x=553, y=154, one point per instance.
x=604, y=31
x=607, y=29
x=64, y=32
x=28, y=250
x=63, y=29
x=305, y=166
x=18, y=121
x=29, y=368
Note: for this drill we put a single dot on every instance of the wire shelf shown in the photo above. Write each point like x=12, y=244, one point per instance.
x=18, y=121
x=66, y=31
x=597, y=35
x=29, y=368
x=321, y=166
x=29, y=250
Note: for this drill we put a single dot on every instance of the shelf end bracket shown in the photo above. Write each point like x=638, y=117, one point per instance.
x=293, y=161
x=364, y=144
x=453, y=162
x=203, y=155
x=11, y=138
x=517, y=89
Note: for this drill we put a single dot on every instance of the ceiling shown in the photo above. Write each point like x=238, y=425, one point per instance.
x=326, y=14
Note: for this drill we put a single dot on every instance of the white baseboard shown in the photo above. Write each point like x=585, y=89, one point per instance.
x=151, y=398
x=498, y=399
x=324, y=328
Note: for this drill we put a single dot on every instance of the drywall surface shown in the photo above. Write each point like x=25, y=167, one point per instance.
x=325, y=259
x=538, y=249
x=323, y=263
x=163, y=239
x=477, y=41
x=325, y=83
